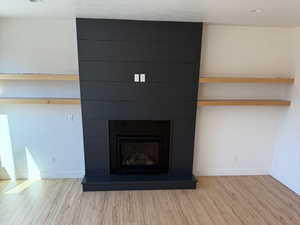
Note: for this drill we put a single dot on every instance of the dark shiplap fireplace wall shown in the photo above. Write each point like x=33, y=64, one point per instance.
x=111, y=54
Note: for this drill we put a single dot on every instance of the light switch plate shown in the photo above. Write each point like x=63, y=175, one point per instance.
x=136, y=77
x=143, y=77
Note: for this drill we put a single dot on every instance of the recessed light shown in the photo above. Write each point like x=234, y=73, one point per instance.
x=36, y=1
x=256, y=11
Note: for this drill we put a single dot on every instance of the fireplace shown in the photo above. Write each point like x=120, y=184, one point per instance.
x=139, y=146
x=138, y=86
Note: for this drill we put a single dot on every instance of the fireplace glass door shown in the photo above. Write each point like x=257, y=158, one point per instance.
x=139, y=153
x=139, y=147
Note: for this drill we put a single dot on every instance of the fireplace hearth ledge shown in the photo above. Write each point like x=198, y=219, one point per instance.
x=138, y=183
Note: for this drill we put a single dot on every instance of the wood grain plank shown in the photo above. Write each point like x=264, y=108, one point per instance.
x=246, y=200
x=237, y=192
x=266, y=201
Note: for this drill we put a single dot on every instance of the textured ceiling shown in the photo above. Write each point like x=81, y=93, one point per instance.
x=276, y=12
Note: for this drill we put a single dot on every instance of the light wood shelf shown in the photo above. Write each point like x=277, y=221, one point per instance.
x=200, y=102
x=49, y=77
x=271, y=80
x=39, y=101
x=242, y=102
x=33, y=76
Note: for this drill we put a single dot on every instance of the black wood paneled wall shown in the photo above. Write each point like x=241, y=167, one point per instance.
x=110, y=53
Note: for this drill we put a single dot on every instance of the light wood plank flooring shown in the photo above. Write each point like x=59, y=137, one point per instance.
x=249, y=200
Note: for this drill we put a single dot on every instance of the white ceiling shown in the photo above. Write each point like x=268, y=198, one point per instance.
x=276, y=12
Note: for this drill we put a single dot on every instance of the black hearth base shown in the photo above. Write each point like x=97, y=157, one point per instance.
x=138, y=183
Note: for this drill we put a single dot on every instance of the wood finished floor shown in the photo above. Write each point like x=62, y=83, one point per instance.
x=250, y=200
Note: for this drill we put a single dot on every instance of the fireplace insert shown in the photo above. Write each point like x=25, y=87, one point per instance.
x=139, y=147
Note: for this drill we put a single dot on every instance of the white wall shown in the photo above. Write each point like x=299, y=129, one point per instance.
x=241, y=140
x=45, y=135
x=286, y=164
x=229, y=140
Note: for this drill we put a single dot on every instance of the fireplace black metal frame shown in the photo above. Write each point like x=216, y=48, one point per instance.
x=140, y=131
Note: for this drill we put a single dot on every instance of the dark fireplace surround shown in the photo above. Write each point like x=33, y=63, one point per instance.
x=138, y=135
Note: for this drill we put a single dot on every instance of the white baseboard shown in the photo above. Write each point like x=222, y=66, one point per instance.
x=204, y=172
x=231, y=172
x=284, y=182
x=53, y=174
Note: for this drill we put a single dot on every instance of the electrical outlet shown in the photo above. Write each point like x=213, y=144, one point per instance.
x=143, y=77
x=70, y=117
x=236, y=160
x=136, y=77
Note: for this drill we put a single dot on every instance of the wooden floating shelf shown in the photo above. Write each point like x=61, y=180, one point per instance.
x=200, y=102
x=33, y=76
x=242, y=102
x=271, y=80
x=70, y=77
x=49, y=77
x=39, y=101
